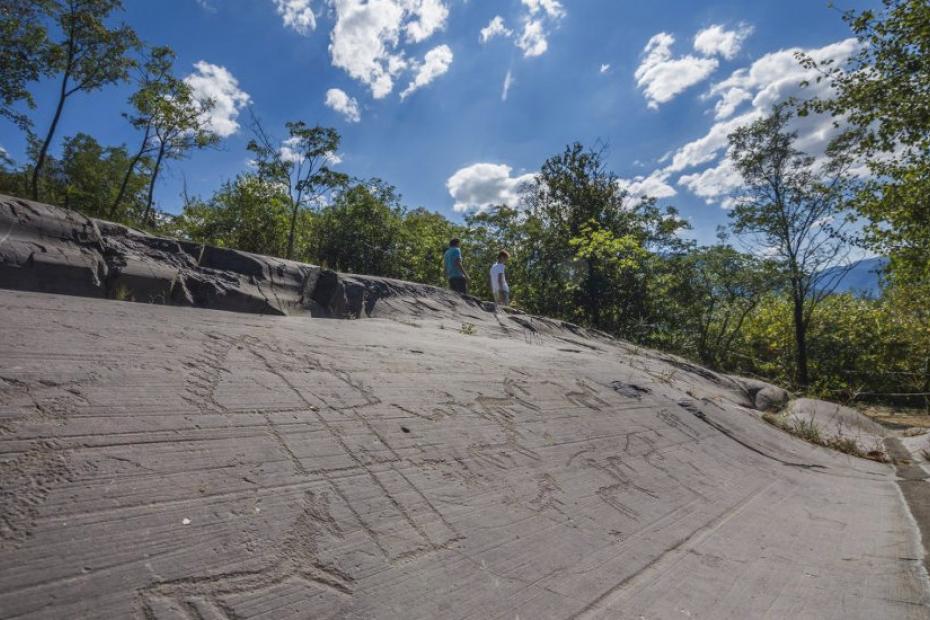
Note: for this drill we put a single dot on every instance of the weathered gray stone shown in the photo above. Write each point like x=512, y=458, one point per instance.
x=836, y=422
x=436, y=459
x=761, y=395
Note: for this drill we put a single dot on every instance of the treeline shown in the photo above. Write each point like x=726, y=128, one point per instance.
x=582, y=248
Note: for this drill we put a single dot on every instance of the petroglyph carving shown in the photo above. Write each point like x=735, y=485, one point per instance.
x=293, y=559
x=25, y=484
x=616, y=469
x=630, y=390
x=389, y=491
x=205, y=373
x=673, y=421
x=547, y=495
x=586, y=396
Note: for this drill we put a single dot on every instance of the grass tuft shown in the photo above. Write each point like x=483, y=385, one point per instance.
x=122, y=294
x=810, y=432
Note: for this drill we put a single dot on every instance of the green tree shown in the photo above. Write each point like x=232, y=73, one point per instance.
x=170, y=118
x=615, y=271
x=22, y=42
x=300, y=164
x=177, y=125
x=424, y=238
x=577, y=213
x=883, y=93
x=86, y=177
x=249, y=214
x=795, y=208
x=359, y=232
x=486, y=234
x=93, y=175
x=709, y=294
x=89, y=56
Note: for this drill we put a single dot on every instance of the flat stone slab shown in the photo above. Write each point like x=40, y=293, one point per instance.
x=162, y=462
x=834, y=421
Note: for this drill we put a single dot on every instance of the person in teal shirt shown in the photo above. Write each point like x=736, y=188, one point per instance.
x=455, y=271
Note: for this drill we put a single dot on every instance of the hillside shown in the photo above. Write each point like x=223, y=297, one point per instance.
x=228, y=450
x=863, y=278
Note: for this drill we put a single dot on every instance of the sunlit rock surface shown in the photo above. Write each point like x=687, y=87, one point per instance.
x=433, y=459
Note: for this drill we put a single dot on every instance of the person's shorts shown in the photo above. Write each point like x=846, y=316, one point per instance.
x=459, y=285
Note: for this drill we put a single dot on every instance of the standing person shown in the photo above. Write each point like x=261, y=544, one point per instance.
x=455, y=271
x=499, y=286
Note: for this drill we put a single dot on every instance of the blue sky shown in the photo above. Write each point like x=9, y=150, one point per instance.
x=418, y=93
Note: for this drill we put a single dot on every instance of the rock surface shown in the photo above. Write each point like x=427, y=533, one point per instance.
x=163, y=462
x=836, y=422
x=53, y=250
x=764, y=396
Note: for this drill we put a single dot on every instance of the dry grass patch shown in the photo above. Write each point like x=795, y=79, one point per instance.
x=809, y=431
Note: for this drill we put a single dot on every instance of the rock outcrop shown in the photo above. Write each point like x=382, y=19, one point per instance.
x=436, y=459
x=53, y=250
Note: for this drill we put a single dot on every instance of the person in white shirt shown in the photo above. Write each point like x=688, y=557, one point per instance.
x=499, y=286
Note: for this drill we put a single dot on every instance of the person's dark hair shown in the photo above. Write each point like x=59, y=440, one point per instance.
x=503, y=254
x=454, y=243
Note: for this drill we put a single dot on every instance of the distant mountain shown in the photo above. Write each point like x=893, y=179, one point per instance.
x=864, y=278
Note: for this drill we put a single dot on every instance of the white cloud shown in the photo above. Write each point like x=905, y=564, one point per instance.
x=290, y=154
x=702, y=166
x=339, y=101
x=729, y=102
x=662, y=77
x=605, y=68
x=711, y=183
x=653, y=186
x=771, y=79
x=533, y=39
x=362, y=41
x=429, y=17
x=219, y=86
x=508, y=82
x=778, y=75
x=708, y=147
x=540, y=16
x=366, y=39
x=288, y=151
x=296, y=14
x=495, y=28
x=481, y=186
x=435, y=63
x=716, y=40
x=552, y=8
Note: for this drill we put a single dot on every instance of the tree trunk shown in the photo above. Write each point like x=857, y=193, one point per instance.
x=132, y=167
x=43, y=152
x=800, y=339
x=148, y=204
x=290, y=234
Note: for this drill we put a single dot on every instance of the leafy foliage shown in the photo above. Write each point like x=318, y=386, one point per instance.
x=87, y=178
x=884, y=95
x=249, y=214
x=22, y=43
x=300, y=164
x=795, y=208
x=87, y=56
x=172, y=120
x=360, y=230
